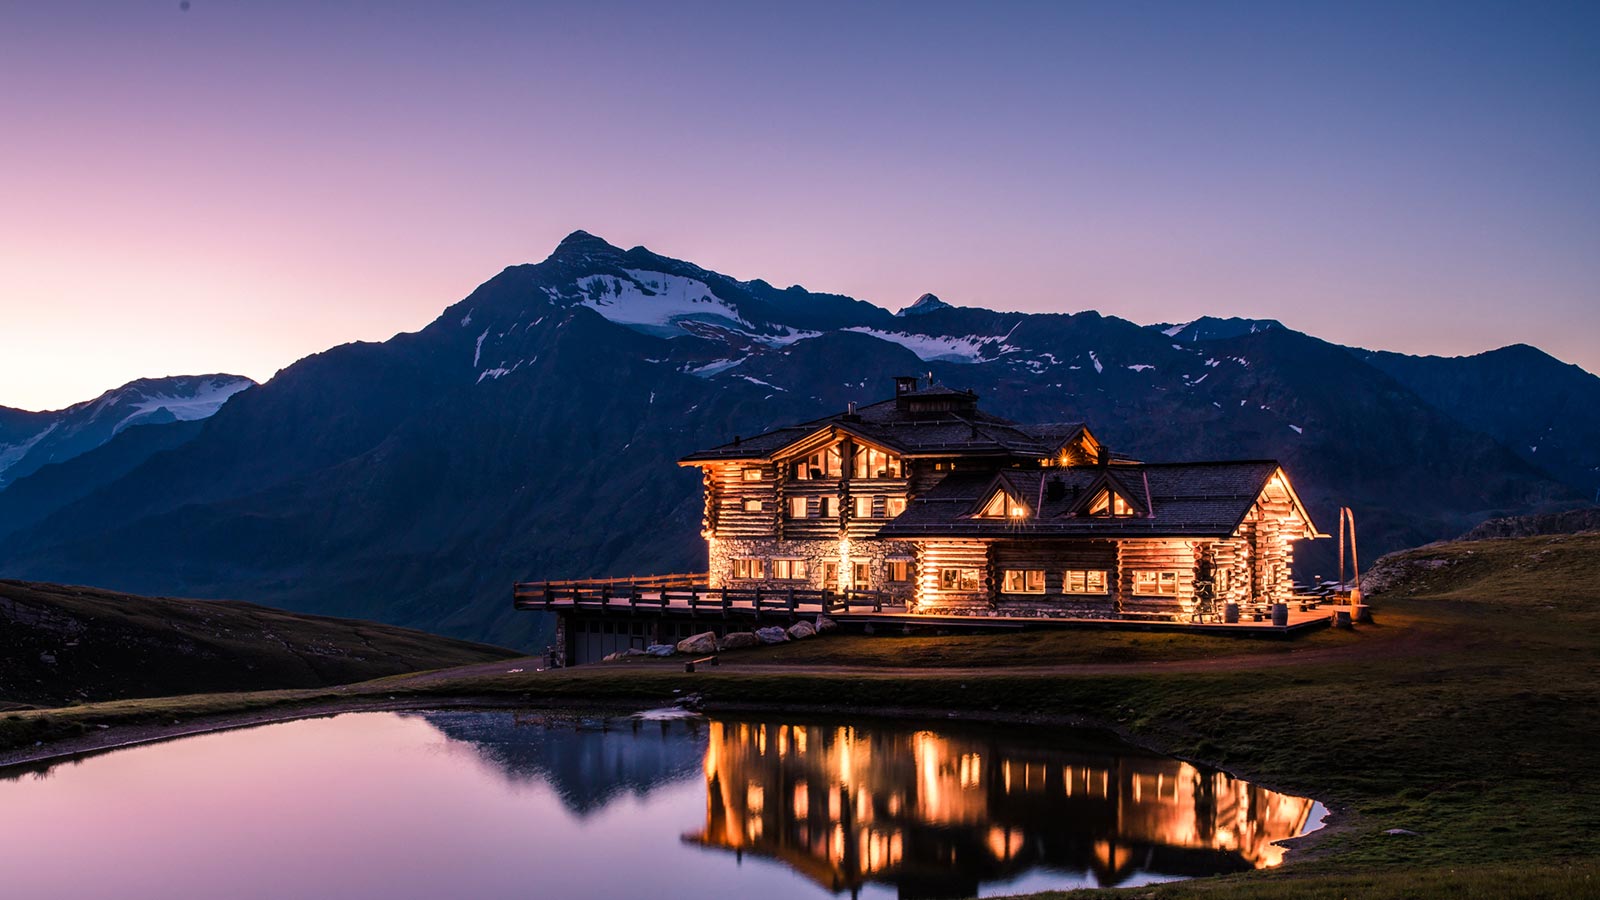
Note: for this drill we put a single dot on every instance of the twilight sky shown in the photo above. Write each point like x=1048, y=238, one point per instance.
x=232, y=187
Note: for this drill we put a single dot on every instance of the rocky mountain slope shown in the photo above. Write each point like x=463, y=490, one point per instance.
x=530, y=431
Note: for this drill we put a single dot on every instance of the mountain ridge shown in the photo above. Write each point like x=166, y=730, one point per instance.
x=531, y=430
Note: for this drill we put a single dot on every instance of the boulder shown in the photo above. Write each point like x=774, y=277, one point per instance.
x=622, y=654
x=799, y=631
x=704, y=642
x=738, y=640
x=660, y=650
x=772, y=635
x=825, y=624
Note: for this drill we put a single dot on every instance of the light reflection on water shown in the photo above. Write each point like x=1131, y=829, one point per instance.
x=492, y=804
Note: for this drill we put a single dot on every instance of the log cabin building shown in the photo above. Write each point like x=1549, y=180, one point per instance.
x=924, y=509
x=950, y=510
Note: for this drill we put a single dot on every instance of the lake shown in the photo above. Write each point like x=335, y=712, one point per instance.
x=661, y=804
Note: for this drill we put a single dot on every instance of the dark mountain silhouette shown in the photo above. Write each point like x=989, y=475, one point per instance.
x=531, y=431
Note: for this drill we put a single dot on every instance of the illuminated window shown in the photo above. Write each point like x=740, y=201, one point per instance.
x=1003, y=506
x=899, y=570
x=863, y=507
x=1023, y=581
x=747, y=569
x=821, y=464
x=1152, y=583
x=861, y=574
x=894, y=506
x=1084, y=581
x=829, y=507
x=753, y=505
x=1220, y=581
x=797, y=508
x=789, y=569
x=953, y=579
x=870, y=462
x=830, y=573
x=752, y=474
x=1110, y=503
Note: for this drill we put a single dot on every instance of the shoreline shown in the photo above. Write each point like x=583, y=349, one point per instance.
x=43, y=757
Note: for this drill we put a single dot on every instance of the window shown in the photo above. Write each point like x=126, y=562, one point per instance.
x=830, y=573
x=830, y=507
x=899, y=570
x=752, y=474
x=958, y=579
x=894, y=506
x=861, y=574
x=1003, y=506
x=1110, y=503
x=1023, y=581
x=797, y=508
x=789, y=569
x=863, y=507
x=1084, y=581
x=745, y=569
x=751, y=505
x=871, y=462
x=1155, y=583
x=821, y=464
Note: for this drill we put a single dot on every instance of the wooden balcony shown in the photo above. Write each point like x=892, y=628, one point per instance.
x=691, y=593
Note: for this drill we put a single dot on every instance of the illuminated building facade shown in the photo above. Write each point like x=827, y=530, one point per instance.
x=934, y=506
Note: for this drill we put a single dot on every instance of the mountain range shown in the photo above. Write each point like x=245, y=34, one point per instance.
x=530, y=431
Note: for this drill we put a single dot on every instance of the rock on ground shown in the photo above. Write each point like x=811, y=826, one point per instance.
x=774, y=634
x=704, y=642
x=825, y=624
x=738, y=640
x=661, y=650
x=622, y=654
x=799, y=631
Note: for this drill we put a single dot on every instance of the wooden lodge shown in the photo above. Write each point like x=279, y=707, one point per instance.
x=924, y=509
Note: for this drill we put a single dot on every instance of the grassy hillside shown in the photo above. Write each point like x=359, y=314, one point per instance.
x=70, y=644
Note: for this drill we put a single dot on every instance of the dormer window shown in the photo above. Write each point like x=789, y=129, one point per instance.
x=821, y=464
x=1003, y=506
x=1111, y=503
x=871, y=462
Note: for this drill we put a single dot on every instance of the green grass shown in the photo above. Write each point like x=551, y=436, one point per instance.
x=1470, y=714
x=1032, y=648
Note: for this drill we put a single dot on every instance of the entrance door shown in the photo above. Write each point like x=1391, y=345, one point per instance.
x=830, y=575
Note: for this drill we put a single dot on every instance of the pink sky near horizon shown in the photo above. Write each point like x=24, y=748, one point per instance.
x=231, y=188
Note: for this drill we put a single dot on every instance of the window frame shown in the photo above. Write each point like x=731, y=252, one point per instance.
x=857, y=502
x=1086, y=590
x=1024, y=581
x=858, y=569
x=1009, y=507
x=793, y=568
x=803, y=504
x=1162, y=578
x=754, y=505
x=902, y=567
x=956, y=584
x=889, y=504
x=754, y=567
x=751, y=474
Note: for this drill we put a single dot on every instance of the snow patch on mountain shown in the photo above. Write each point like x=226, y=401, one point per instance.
x=655, y=302
x=206, y=399
x=932, y=347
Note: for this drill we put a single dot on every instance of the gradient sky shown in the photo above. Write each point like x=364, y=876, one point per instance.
x=232, y=187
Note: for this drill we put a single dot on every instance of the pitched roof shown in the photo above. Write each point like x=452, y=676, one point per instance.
x=1205, y=499
x=968, y=431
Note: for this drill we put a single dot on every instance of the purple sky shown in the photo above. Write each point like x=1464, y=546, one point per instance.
x=238, y=185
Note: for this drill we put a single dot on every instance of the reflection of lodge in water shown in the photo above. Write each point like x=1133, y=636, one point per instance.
x=937, y=814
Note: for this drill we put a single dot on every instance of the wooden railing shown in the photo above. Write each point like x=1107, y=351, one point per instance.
x=691, y=593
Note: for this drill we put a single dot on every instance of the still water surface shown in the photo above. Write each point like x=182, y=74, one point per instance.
x=499, y=804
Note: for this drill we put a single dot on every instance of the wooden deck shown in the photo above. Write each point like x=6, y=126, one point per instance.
x=687, y=596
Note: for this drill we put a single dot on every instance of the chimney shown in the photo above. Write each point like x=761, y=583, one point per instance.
x=1105, y=456
x=850, y=412
x=1055, y=489
x=904, y=385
